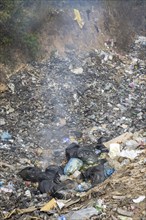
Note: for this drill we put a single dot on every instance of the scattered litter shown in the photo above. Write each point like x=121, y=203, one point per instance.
x=121, y=217
x=1, y=183
x=108, y=170
x=2, y=121
x=78, y=70
x=76, y=174
x=62, y=122
x=114, y=150
x=6, y=190
x=12, y=87
x=49, y=205
x=6, y=136
x=85, y=213
x=141, y=40
x=66, y=140
x=73, y=165
x=124, y=212
x=3, y=164
x=131, y=154
x=120, y=139
x=139, y=199
x=100, y=205
x=78, y=18
x=98, y=93
x=84, y=186
x=11, y=186
x=91, y=134
x=132, y=85
x=131, y=144
x=3, y=87
x=60, y=203
x=28, y=193
x=19, y=211
x=62, y=217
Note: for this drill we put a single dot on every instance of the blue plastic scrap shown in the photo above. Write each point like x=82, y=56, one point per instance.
x=66, y=140
x=1, y=183
x=108, y=170
x=5, y=136
x=62, y=217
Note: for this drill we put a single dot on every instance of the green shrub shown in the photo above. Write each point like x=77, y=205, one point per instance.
x=30, y=44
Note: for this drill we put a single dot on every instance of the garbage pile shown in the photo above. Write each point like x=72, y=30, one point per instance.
x=69, y=103
x=84, y=169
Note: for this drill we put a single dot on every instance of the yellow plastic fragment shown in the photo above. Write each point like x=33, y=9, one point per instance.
x=49, y=205
x=78, y=18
